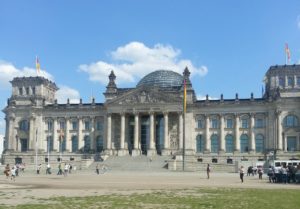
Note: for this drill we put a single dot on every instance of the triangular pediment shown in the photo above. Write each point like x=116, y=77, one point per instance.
x=144, y=95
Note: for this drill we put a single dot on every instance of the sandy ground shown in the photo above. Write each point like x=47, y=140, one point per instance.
x=29, y=187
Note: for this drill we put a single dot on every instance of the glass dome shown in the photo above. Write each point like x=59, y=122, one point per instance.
x=162, y=78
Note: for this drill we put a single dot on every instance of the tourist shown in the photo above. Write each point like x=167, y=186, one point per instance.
x=7, y=170
x=208, y=170
x=59, y=169
x=241, y=170
x=38, y=169
x=66, y=169
x=260, y=172
x=284, y=174
x=13, y=173
x=48, y=170
x=97, y=168
x=70, y=168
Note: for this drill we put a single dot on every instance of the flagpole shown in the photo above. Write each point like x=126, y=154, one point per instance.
x=183, y=130
x=36, y=148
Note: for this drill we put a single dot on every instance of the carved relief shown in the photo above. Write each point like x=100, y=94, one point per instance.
x=173, y=130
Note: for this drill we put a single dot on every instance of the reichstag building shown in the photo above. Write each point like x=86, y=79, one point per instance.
x=148, y=120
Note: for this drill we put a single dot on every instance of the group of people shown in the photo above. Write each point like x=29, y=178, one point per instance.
x=13, y=171
x=62, y=169
x=285, y=174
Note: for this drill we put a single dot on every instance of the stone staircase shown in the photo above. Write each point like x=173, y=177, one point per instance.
x=191, y=164
x=137, y=163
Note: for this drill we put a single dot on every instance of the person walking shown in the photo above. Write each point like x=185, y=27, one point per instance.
x=241, y=170
x=7, y=171
x=97, y=168
x=38, y=169
x=13, y=173
x=208, y=170
x=48, y=170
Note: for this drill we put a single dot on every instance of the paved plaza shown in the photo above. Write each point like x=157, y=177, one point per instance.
x=28, y=187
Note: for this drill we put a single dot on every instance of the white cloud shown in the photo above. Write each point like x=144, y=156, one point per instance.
x=202, y=97
x=2, y=126
x=65, y=93
x=134, y=60
x=8, y=71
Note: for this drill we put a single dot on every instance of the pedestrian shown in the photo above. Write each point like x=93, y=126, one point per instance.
x=13, y=173
x=7, y=170
x=38, y=169
x=48, y=170
x=260, y=172
x=208, y=170
x=66, y=169
x=241, y=170
x=59, y=169
x=70, y=168
x=97, y=168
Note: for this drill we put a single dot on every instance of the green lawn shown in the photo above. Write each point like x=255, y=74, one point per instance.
x=200, y=198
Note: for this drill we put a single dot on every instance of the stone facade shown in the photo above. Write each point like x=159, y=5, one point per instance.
x=149, y=120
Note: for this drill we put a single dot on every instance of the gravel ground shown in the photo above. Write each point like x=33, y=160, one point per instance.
x=29, y=187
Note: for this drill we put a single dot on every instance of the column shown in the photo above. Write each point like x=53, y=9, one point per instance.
x=151, y=150
x=207, y=141
x=31, y=134
x=80, y=137
x=122, y=136
x=108, y=138
x=237, y=133
x=55, y=136
x=222, y=137
x=92, y=134
x=11, y=137
x=180, y=131
x=122, y=151
x=68, y=137
x=166, y=131
x=279, y=131
x=252, y=134
x=136, y=150
x=151, y=142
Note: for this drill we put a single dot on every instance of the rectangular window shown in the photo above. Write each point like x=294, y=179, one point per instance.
x=62, y=125
x=259, y=123
x=281, y=82
x=229, y=123
x=290, y=81
x=20, y=91
x=74, y=125
x=214, y=123
x=99, y=126
x=33, y=90
x=245, y=123
x=87, y=125
x=200, y=123
x=50, y=125
x=298, y=81
x=27, y=90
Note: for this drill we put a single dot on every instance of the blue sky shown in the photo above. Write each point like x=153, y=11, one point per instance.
x=228, y=45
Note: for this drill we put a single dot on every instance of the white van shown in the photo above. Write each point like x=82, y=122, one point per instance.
x=279, y=163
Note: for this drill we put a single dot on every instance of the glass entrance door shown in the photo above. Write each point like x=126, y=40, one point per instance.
x=24, y=145
x=291, y=143
x=145, y=134
x=159, y=142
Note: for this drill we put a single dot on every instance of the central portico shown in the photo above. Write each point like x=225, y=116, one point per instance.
x=146, y=120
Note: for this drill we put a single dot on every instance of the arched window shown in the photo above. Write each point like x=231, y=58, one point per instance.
x=199, y=143
x=214, y=143
x=290, y=121
x=229, y=143
x=24, y=125
x=259, y=143
x=87, y=144
x=49, y=143
x=99, y=144
x=244, y=140
x=62, y=144
x=74, y=144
